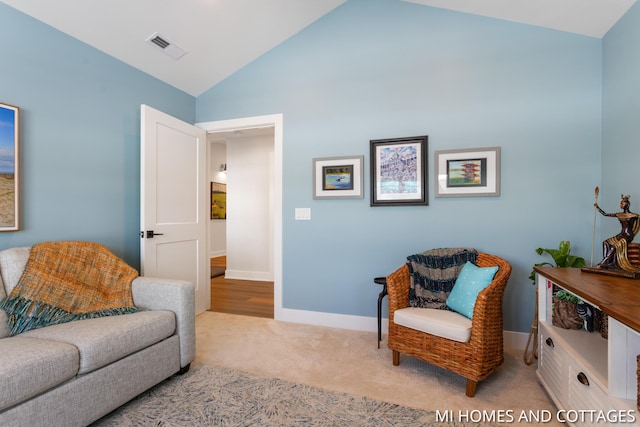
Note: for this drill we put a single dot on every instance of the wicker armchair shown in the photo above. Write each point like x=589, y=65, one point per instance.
x=474, y=360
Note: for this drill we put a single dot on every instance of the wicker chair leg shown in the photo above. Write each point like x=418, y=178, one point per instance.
x=396, y=358
x=471, y=387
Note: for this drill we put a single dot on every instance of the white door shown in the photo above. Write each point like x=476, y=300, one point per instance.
x=173, y=207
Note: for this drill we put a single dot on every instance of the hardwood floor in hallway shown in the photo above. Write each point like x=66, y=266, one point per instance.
x=245, y=297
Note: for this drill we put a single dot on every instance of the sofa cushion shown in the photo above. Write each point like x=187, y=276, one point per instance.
x=32, y=365
x=4, y=324
x=107, y=339
x=441, y=323
x=12, y=263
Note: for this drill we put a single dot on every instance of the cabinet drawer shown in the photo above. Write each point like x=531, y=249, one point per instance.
x=584, y=393
x=552, y=364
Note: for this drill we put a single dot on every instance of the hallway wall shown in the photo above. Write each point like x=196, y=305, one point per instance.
x=217, y=227
x=248, y=229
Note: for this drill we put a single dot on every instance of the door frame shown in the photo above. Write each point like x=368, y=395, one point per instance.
x=275, y=121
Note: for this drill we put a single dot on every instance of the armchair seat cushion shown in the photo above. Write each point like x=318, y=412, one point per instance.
x=442, y=323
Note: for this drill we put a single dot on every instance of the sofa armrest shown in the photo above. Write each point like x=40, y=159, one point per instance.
x=174, y=295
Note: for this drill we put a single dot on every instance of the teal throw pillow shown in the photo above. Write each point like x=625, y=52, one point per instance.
x=470, y=282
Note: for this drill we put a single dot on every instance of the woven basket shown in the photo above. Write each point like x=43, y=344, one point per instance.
x=565, y=315
x=600, y=323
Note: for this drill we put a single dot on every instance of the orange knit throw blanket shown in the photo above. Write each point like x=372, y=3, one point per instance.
x=65, y=281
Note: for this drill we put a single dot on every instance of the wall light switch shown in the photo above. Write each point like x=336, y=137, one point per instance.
x=303, y=214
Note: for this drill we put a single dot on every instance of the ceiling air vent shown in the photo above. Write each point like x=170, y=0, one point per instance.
x=167, y=46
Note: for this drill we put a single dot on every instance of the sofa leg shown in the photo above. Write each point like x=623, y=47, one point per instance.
x=471, y=387
x=184, y=370
x=396, y=358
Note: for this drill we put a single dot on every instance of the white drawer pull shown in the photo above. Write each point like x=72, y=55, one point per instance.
x=583, y=379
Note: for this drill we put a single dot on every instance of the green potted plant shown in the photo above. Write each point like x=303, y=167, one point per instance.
x=562, y=258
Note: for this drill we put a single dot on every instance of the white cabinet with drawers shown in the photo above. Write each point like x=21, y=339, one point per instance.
x=591, y=380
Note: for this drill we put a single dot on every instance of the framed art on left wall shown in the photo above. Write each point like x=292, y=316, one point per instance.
x=9, y=168
x=338, y=177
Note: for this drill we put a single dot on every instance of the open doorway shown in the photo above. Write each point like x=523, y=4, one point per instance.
x=241, y=224
x=275, y=121
x=244, y=297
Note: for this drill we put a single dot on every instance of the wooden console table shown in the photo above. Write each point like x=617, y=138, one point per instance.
x=617, y=297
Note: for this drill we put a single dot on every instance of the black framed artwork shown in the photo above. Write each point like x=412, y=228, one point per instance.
x=399, y=171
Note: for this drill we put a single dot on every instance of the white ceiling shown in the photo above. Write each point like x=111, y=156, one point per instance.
x=222, y=36
x=587, y=17
x=236, y=134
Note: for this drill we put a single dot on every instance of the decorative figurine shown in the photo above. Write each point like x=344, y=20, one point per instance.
x=615, y=259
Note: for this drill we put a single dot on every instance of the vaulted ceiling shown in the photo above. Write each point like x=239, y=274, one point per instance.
x=222, y=36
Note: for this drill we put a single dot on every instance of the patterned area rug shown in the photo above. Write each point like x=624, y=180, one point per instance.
x=216, y=396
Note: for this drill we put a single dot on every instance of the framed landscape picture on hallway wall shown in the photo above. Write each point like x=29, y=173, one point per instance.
x=218, y=200
x=9, y=168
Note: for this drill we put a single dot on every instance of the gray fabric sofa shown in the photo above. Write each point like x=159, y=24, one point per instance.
x=72, y=374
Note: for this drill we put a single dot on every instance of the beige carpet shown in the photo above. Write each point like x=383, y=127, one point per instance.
x=350, y=362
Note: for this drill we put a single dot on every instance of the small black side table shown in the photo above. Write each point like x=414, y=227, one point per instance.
x=380, y=281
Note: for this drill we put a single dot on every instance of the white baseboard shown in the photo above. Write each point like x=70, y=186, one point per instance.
x=261, y=276
x=215, y=254
x=332, y=320
x=514, y=340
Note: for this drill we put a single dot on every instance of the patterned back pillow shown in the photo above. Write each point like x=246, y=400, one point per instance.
x=12, y=262
x=433, y=274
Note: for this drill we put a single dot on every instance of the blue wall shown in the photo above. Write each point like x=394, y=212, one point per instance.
x=80, y=135
x=370, y=69
x=376, y=69
x=621, y=117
